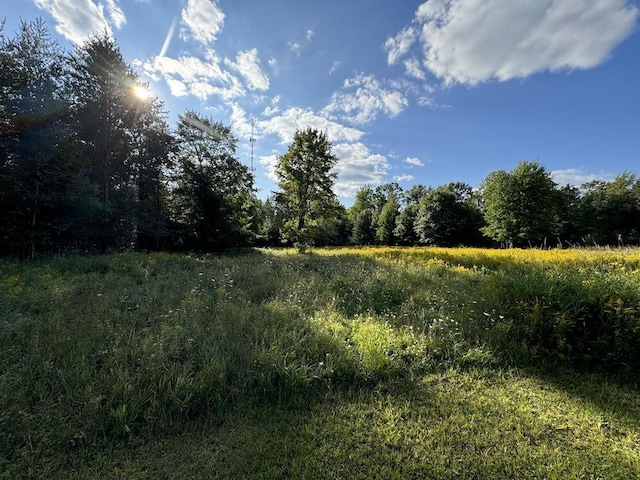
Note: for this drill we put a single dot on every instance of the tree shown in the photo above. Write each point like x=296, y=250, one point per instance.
x=447, y=217
x=414, y=194
x=333, y=230
x=387, y=220
x=519, y=206
x=39, y=177
x=105, y=113
x=271, y=217
x=404, y=230
x=306, y=184
x=213, y=189
x=610, y=211
x=361, y=215
x=568, y=222
x=152, y=159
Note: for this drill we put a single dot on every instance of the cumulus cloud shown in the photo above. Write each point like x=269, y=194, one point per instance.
x=273, y=108
x=116, y=14
x=363, y=97
x=77, y=20
x=357, y=166
x=474, y=41
x=204, y=20
x=403, y=178
x=310, y=35
x=415, y=162
x=577, y=176
x=194, y=76
x=240, y=124
x=273, y=64
x=400, y=44
x=269, y=163
x=414, y=69
x=248, y=65
x=292, y=119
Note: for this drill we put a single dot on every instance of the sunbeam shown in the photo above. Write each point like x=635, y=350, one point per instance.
x=167, y=40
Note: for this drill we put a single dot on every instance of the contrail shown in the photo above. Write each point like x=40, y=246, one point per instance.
x=167, y=40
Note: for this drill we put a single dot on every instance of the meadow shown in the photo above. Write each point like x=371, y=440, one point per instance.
x=339, y=363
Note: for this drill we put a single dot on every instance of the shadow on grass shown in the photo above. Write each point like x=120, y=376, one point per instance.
x=479, y=424
x=277, y=344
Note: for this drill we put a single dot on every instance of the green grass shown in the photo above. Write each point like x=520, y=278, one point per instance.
x=361, y=363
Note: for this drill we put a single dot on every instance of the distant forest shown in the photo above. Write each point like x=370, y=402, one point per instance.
x=87, y=164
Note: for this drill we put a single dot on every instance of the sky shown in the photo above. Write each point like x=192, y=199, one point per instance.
x=407, y=91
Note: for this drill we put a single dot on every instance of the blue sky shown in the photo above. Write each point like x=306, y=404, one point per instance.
x=407, y=91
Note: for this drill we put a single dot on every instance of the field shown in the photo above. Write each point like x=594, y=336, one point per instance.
x=341, y=363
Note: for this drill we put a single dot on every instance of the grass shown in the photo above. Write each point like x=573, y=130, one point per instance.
x=343, y=363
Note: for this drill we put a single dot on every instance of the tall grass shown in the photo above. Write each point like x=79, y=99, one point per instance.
x=99, y=350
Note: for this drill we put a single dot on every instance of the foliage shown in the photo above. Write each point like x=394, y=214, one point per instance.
x=404, y=230
x=386, y=221
x=39, y=180
x=306, y=184
x=609, y=211
x=361, y=215
x=213, y=188
x=88, y=166
x=519, y=205
x=447, y=217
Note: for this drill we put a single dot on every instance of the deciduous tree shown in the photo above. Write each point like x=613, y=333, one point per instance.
x=519, y=206
x=306, y=184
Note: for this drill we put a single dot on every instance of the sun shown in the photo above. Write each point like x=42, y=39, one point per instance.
x=141, y=91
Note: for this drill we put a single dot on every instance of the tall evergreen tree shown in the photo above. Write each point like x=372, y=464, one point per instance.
x=153, y=155
x=103, y=105
x=38, y=174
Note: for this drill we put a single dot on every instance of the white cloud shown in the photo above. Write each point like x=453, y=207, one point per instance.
x=272, y=109
x=194, y=76
x=292, y=119
x=403, y=178
x=204, y=19
x=116, y=14
x=240, y=124
x=474, y=41
x=335, y=66
x=577, y=176
x=363, y=97
x=356, y=167
x=248, y=65
x=269, y=163
x=414, y=69
x=273, y=65
x=399, y=45
x=310, y=35
x=295, y=47
x=76, y=20
x=416, y=162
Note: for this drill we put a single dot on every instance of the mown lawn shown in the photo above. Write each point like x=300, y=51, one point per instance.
x=343, y=363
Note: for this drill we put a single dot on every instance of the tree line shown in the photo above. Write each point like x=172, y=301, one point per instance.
x=89, y=164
